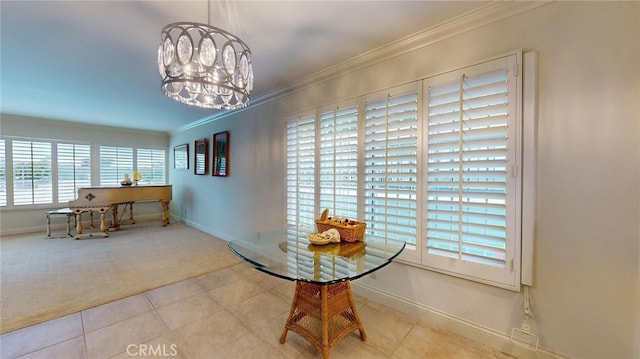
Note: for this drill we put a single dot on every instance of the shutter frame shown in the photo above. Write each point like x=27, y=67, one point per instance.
x=338, y=165
x=32, y=171
x=72, y=172
x=115, y=162
x=3, y=174
x=470, y=229
x=391, y=164
x=301, y=172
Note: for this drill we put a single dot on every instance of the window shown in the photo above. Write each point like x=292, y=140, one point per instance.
x=32, y=183
x=470, y=172
x=301, y=182
x=34, y=172
x=152, y=165
x=115, y=162
x=391, y=166
x=435, y=163
x=3, y=175
x=339, y=162
x=74, y=170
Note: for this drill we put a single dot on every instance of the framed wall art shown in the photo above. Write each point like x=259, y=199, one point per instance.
x=181, y=157
x=221, y=154
x=201, y=157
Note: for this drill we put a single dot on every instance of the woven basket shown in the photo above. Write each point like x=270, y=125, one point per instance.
x=349, y=233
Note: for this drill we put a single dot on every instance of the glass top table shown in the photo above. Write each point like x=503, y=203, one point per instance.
x=323, y=311
x=288, y=254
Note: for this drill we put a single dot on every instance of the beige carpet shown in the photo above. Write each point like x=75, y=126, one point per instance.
x=43, y=279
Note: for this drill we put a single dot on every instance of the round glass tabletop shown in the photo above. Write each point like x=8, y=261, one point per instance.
x=290, y=255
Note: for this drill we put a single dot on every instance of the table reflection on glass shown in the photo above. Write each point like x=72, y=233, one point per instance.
x=323, y=311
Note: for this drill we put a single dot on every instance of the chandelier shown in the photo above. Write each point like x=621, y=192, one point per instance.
x=204, y=66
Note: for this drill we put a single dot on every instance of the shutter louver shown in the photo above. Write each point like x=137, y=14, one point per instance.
x=339, y=162
x=32, y=183
x=74, y=170
x=3, y=175
x=115, y=162
x=152, y=165
x=466, y=200
x=301, y=138
x=391, y=132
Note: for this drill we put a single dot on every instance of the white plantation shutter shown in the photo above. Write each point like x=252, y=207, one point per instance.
x=3, y=175
x=152, y=165
x=339, y=162
x=470, y=174
x=390, y=180
x=301, y=148
x=32, y=183
x=74, y=169
x=115, y=162
x=458, y=205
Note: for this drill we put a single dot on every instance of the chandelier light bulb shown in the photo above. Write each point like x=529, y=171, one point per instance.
x=204, y=66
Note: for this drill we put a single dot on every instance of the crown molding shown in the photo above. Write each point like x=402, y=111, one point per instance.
x=481, y=16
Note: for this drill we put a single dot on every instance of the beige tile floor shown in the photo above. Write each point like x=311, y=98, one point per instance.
x=235, y=312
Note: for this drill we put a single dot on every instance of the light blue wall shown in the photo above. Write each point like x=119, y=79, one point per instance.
x=251, y=197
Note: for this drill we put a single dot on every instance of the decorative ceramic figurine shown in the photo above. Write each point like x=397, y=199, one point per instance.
x=126, y=181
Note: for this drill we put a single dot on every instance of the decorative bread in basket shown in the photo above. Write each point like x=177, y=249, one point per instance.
x=350, y=230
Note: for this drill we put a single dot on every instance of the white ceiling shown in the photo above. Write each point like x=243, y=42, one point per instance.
x=95, y=61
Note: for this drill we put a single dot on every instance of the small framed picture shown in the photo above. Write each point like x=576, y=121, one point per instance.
x=181, y=157
x=201, y=157
x=220, y=154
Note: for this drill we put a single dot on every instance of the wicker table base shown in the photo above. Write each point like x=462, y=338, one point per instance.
x=323, y=315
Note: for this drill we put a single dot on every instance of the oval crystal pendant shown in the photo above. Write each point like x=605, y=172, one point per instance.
x=225, y=93
x=244, y=67
x=195, y=69
x=250, y=81
x=185, y=49
x=161, y=68
x=229, y=58
x=239, y=97
x=169, y=51
x=238, y=81
x=193, y=88
x=177, y=87
x=207, y=99
x=207, y=52
x=174, y=70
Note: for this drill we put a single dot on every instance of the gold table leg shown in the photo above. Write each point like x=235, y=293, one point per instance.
x=323, y=315
x=165, y=212
x=103, y=222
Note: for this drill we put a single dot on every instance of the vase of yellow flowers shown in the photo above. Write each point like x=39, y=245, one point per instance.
x=137, y=176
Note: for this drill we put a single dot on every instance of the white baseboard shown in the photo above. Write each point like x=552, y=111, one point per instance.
x=26, y=230
x=222, y=236
x=490, y=337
